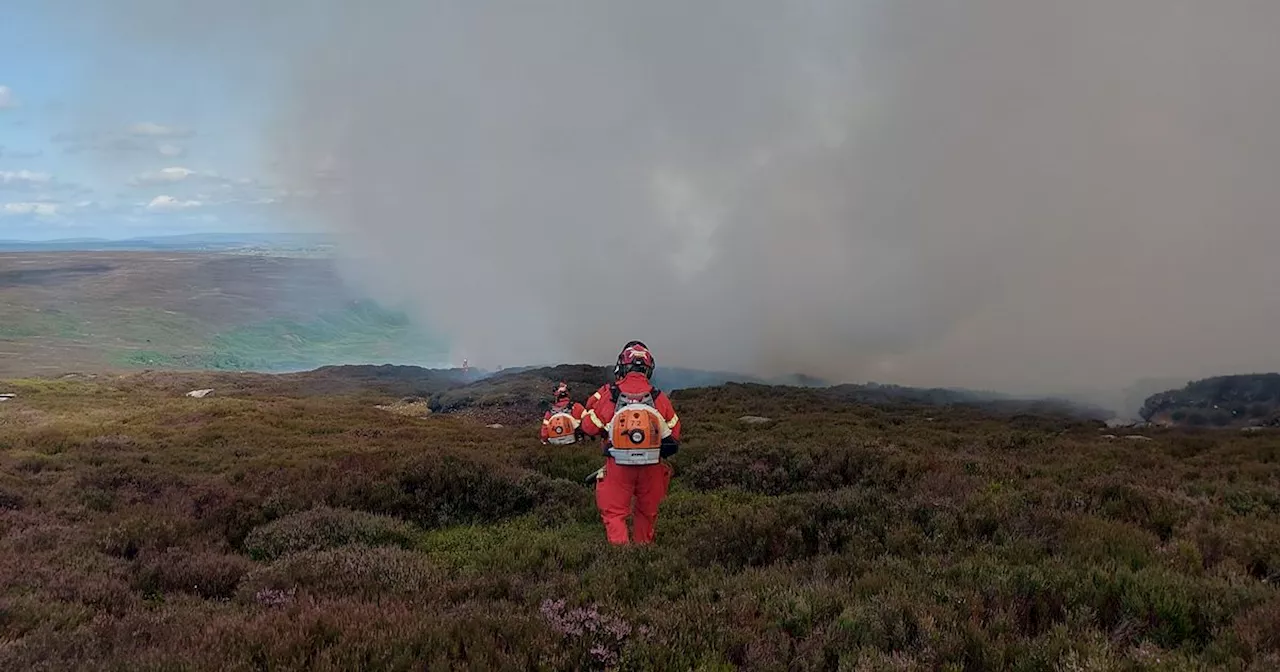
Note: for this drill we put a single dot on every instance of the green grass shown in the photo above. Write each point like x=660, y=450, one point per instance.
x=362, y=332
x=159, y=339
x=17, y=322
x=268, y=527
x=160, y=328
x=80, y=312
x=359, y=333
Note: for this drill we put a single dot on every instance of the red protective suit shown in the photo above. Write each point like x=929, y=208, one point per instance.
x=575, y=409
x=645, y=484
x=595, y=398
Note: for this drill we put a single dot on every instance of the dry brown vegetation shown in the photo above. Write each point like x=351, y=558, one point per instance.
x=286, y=523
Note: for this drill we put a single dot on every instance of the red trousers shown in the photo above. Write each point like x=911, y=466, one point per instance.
x=647, y=484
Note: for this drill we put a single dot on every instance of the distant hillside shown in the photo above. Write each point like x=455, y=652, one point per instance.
x=674, y=378
x=1222, y=401
x=875, y=393
x=196, y=242
x=93, y=311
x=518, y=395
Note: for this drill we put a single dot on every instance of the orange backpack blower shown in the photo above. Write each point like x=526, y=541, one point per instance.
x=562, y=427
x=637, y=429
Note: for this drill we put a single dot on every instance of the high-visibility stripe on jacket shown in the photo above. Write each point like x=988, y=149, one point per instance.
x=595, y=398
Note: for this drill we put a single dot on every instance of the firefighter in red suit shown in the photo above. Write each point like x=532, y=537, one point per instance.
x=617, y=376
x=562, y=424
x=640, y=429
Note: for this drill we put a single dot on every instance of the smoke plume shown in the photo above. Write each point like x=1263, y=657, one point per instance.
x=1032, y=196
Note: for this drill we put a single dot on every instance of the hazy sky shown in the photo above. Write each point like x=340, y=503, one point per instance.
x=161, y=142
x=1031, y=196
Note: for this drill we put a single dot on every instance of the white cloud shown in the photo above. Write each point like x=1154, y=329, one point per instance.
x=151, y=129
x=165, y=175
x=31, y=208
x=6, y=98
x=184, y=175
x=37, y=185
x=171, y=150
x=171, y=204
x=43, y=207
x=23, y=178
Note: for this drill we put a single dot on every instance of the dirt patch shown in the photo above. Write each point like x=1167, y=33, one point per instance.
x=414, y=409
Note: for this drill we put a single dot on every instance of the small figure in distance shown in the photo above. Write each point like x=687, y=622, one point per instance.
x=641, y=429
x=562, y=424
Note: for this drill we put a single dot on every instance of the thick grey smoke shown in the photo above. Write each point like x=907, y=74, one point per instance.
x=1031, y=196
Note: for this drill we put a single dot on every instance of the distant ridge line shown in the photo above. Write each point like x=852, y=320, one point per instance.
x=190, y=241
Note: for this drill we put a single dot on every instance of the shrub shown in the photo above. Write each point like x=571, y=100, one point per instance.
x=557, y=462
x=97, y=499
x=133, y=535
x=885, y=622
x=843, y=536
x=348, y=571
x=10, y=501
x=557, y=500
x=229, y=514
x=1150, y=509
x=1257, y=630
x=325, y=527
x=1253, y=546
x=1016, y=440
x=1107, y=542
x=597, y=637
x=776, y=470
x=436, y=491
x=204, y=573
x=793, y=527
x=1156, y=605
